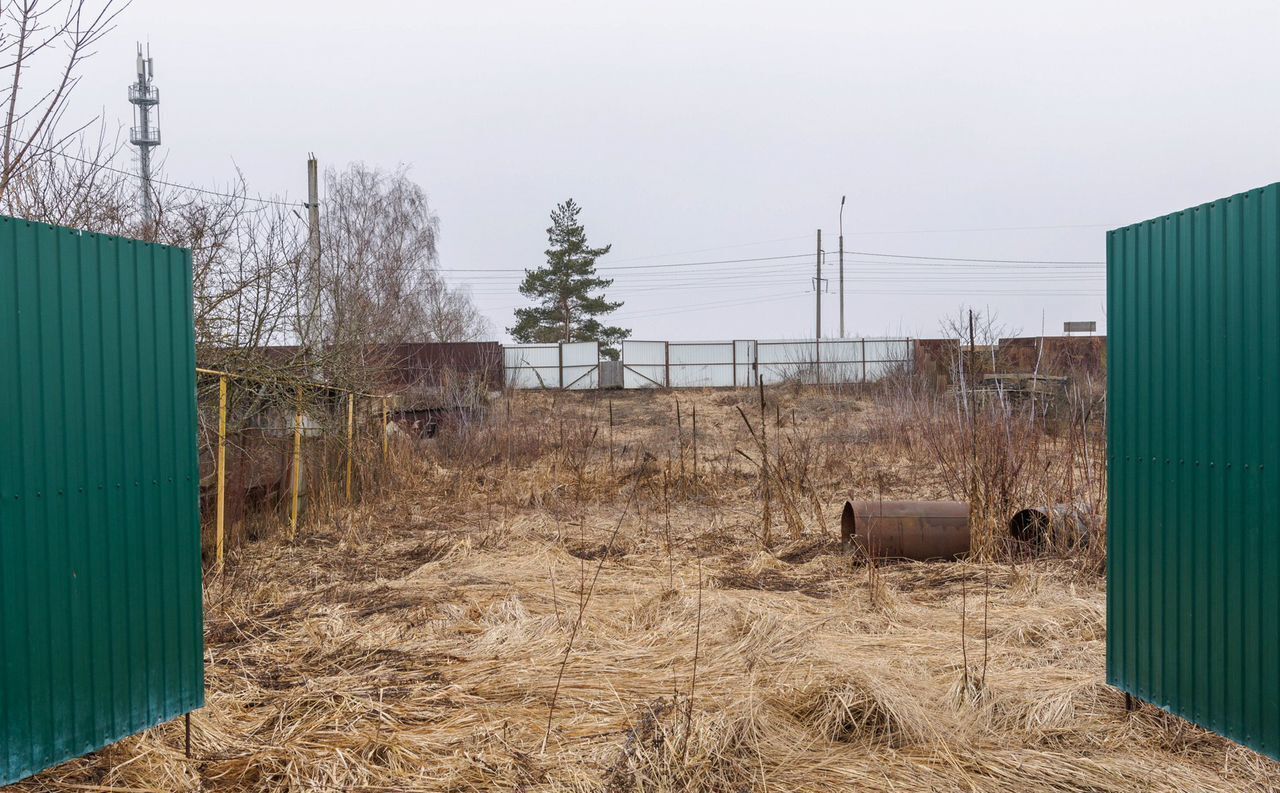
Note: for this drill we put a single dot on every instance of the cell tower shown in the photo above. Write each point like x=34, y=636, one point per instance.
x=146, y=111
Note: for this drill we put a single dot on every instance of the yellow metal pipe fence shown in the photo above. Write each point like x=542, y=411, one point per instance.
x=222, y=466
x=301, y=425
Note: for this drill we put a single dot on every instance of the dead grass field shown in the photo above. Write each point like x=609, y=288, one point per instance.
x=418, y=643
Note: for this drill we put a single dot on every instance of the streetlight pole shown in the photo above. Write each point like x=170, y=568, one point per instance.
x=842, y=266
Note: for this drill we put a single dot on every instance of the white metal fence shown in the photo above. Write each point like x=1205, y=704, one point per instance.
x=709, y=364
x=569, y=365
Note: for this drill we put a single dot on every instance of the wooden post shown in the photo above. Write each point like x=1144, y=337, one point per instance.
x=222, y=466
x=351, y=431
x=766, y=535
x=385, y=427
x=297, y=465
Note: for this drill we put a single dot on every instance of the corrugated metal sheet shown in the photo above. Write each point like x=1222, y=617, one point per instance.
x=569, y=365
x=644, y=364
x=101, y=633
x=1193, y=568
x=439, y=363
x=394, y=367
x=532, y=365
x=701, y=364
x=832, y=360
x=709, y=364
x=581, y=361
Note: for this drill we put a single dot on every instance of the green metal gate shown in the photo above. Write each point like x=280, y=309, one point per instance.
x=100, y=604
x=1193, y=567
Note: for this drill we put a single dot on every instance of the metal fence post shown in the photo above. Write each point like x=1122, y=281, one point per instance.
x=351, y=428
x=817, y=365
x=297, y=465
x=666, y=363
x=222, y=466
x=385, y=427
x=864, y=359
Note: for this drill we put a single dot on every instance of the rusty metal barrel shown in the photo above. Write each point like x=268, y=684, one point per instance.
x=921, y=530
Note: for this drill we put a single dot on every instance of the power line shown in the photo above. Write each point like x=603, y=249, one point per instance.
x=877, y=232
x=1063, y=289
x=663, y=309
x=630, y=316
x=991, y=228
x=716, y=248
x=698, y=264
x=796, y=268
x=1007, y=267
x=637, y=266
x=909, y=260
x=879, y=273
x=887, y=289
x=175, y=185
x=961, y=259
x=716, y=304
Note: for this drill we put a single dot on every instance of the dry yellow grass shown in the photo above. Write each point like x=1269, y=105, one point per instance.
x=416, y=644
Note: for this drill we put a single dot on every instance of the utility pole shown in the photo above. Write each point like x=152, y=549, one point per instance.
x=842, y=266
x=817, y=290
x=313, y=208
x=313, y=243
x=145, y=98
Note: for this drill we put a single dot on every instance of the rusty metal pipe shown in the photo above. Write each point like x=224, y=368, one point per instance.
x=920, y=530
x=1062, y=526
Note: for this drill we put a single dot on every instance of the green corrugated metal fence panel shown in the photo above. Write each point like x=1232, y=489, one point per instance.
x=1193, y=565
x=101, y=633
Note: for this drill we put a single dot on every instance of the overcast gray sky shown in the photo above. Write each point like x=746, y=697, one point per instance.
x=698, y=132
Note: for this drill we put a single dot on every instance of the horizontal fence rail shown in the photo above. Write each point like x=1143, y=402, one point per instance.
x=708, y=364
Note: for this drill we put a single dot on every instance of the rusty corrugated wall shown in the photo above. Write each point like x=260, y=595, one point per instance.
x=435, y=363
x=1193, y=567
x=100, y=604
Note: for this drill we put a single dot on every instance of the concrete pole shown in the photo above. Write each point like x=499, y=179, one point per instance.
x=842, y=266
x=817, y=291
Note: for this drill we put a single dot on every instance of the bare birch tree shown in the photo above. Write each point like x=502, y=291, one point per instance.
x=44, y=37
x=378, y=280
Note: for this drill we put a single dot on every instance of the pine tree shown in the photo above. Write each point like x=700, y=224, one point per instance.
x=566, y=290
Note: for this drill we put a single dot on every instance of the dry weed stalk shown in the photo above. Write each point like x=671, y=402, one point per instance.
x=582, y=611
